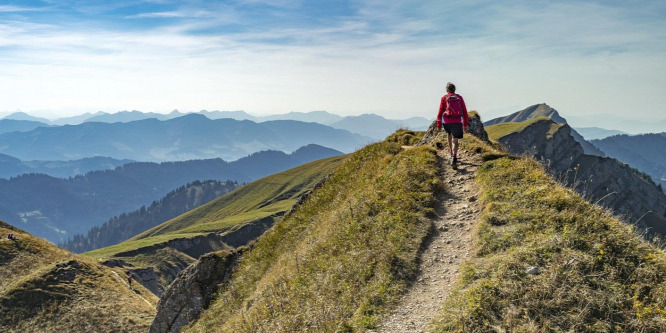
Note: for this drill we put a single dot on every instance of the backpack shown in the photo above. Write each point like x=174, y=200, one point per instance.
x=453, y=106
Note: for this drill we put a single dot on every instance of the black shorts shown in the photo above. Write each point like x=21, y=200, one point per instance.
x=456, y=129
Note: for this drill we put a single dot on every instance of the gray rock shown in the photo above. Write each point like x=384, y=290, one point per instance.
x=601, y=180
x=192, y=291
x=533, y=270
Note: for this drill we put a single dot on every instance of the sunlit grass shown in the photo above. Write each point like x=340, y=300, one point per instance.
x=343, y=256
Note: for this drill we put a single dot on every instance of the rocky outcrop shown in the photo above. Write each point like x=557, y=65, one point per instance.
x=192, y=246
x=475, y=128
x=192, y=291
x=147, y=278
x=544, y=110
x=602, y=180
x=243, y=234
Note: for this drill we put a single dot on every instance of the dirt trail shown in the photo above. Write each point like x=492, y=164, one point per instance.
x=128, y=286
x=447, y=248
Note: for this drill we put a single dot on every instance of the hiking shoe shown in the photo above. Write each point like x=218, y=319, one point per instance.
x=454, y=160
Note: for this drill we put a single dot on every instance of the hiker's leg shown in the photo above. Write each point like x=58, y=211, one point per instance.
x=450, y=137
x=455, y=146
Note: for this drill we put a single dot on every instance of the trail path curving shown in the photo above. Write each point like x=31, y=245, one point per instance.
x=128, y=286
x=448, y=247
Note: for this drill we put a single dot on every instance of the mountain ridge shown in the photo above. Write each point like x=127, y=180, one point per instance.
x=604, y=180
x=57, y=208
x=191, y=136
x=544, y=110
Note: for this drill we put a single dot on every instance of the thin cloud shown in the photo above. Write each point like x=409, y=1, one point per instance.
x=15, y=9
x=385, y=57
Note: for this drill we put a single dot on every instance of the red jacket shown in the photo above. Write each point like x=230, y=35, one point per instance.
x=448, y=120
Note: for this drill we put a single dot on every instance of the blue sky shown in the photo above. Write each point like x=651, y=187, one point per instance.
x=393, y=58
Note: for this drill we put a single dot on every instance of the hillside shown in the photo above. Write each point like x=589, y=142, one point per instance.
x=232, y=220
x=543, y=110
x=57, y=209
x=192, y=136
x=127, y=225
x=543, y=258
x=546, y=260
x=46, y=289
x=644, y=152
x=341, y=256
x=510, y=249
x=628, y=192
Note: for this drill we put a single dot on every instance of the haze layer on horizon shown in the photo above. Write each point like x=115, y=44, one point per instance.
x=586, y=59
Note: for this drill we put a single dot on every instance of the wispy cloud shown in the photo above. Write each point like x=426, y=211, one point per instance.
x=370, y=55
x=15, y=9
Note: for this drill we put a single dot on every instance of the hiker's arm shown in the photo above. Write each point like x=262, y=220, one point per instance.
x=442, y=107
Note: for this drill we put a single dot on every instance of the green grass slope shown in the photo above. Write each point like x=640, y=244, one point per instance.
x=261, y=200
x=596, y=274
x=497, y=131
x=339, y=260
x=47, y=289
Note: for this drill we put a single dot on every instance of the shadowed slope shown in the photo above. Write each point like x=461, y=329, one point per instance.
x=47, y=289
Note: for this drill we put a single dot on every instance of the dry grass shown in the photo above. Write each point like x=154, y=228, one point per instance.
x=342, y=257
x=597, y=275
x=47, y=289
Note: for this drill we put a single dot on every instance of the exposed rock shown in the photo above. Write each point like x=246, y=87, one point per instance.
x=192, y=291
x=602, y=180
x=543, y=109
x=147, y=278
x=533, y=270
x=192, y=246
x=111, y=263
x=66, y=271
x=475, y=128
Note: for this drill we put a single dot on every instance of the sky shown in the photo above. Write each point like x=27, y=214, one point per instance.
x=596, y=62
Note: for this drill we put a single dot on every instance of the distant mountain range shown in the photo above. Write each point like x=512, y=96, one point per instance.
x=11, y=166
x=12, y=125
x=593, y=133
x=647, y=152
x=188, y=137
x=56, y=208
x=370, y=125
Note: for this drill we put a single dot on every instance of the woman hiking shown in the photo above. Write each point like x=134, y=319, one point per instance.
x=453, y=115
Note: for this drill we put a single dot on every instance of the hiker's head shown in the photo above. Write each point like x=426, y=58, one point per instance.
x=450, y=87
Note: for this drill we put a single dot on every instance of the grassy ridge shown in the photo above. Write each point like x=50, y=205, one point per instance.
x=497, y=131
x=265, y=197
x=337, y=261
x=47, y=289
x=596, y=274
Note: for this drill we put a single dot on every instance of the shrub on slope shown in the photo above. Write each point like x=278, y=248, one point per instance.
x=337, y=261
x=596, y=274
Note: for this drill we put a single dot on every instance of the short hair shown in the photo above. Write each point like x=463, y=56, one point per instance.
x=450, y=87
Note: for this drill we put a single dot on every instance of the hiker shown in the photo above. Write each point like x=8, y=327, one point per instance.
x=453, y=114
x=129, y=279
